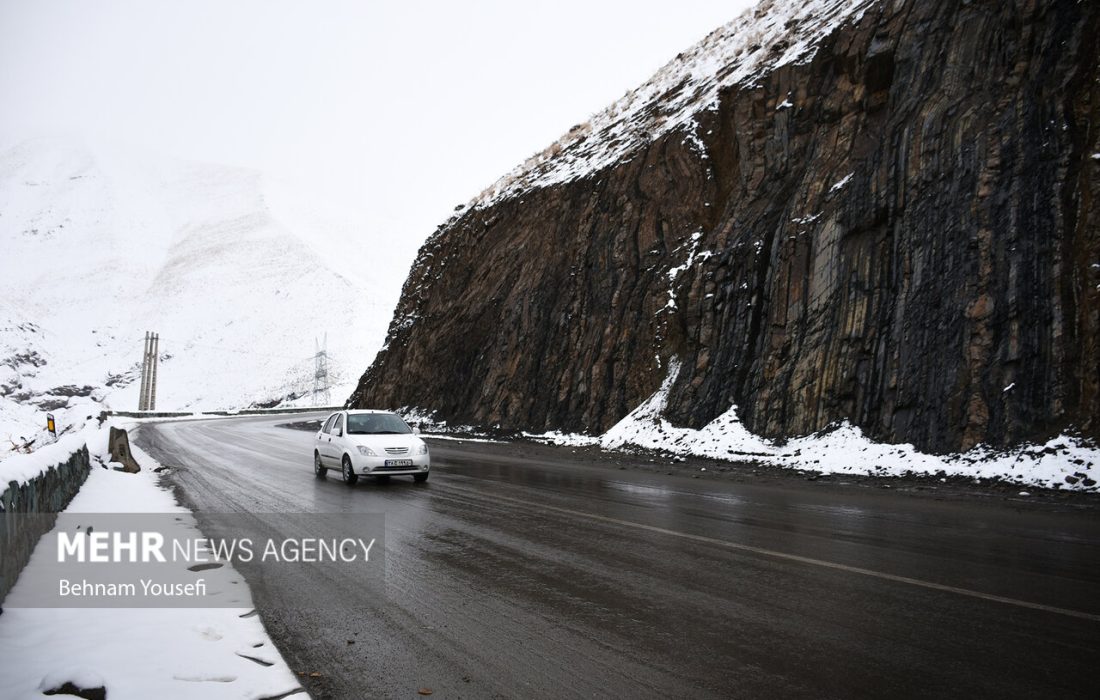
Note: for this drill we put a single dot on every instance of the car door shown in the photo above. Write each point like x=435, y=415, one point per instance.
x=324, y=441
x=336, y=440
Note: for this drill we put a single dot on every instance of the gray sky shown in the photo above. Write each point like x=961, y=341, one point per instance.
x=398, y=110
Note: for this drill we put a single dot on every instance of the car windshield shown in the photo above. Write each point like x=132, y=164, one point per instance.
x=376, y=424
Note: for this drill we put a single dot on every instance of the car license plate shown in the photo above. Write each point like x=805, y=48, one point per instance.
x=399, y=462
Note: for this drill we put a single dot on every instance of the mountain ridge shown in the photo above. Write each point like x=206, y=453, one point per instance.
x=768, y=35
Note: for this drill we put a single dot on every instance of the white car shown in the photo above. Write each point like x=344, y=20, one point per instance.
x=370, y=443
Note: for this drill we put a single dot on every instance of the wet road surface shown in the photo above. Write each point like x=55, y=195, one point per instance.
x=524, y=570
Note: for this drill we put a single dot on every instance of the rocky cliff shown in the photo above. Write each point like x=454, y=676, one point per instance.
x=873, y=211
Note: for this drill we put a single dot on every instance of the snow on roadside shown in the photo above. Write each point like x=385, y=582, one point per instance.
x=1063, y=462
x=555, y=437
x=441, y=429
x=461, y=438
x=77, y=428
x=20, y=467
x=135, y=653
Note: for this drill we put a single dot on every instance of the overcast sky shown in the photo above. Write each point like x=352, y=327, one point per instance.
x=399, y=110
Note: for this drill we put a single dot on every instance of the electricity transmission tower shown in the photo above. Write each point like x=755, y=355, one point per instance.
x=321, y=394
x=147, y=401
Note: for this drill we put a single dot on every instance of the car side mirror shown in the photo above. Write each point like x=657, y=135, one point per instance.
x=339, y=432
x=416, y=431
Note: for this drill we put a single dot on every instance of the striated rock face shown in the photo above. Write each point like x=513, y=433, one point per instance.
x=876, y=211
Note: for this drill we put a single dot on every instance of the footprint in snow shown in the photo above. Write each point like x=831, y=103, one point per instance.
x=209, y=633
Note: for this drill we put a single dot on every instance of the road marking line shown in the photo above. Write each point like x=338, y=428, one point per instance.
x=811, y=561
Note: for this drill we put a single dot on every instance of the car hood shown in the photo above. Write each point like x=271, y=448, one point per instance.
x=381, y=442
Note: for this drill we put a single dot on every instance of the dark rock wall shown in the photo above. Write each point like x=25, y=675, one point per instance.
x=956, y=260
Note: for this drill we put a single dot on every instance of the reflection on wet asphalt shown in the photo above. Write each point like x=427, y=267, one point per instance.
x=524, y=570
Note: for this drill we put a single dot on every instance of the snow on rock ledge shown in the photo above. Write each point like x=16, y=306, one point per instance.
x=771, y=34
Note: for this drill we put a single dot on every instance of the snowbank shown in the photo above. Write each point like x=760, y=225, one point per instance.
x=1064, y=462
x=565, y=439
x=20, y=467
x=427, y=422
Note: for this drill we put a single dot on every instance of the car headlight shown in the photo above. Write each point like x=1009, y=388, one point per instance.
x=423, y=449
x=366, y=451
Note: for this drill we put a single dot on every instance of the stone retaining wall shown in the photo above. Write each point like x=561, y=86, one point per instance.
x=28, y=510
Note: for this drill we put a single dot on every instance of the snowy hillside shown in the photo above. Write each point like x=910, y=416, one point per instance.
x=238, y=275
x=770, y=34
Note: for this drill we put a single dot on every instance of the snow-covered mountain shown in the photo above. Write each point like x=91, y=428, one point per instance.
x=238, y=275
x=771, y=34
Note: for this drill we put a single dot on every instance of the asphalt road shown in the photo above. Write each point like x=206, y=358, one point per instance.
x=525, y=570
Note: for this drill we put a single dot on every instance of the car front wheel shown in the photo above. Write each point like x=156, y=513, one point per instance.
x=319, y=470
x=350, y=477
x=420, y=478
